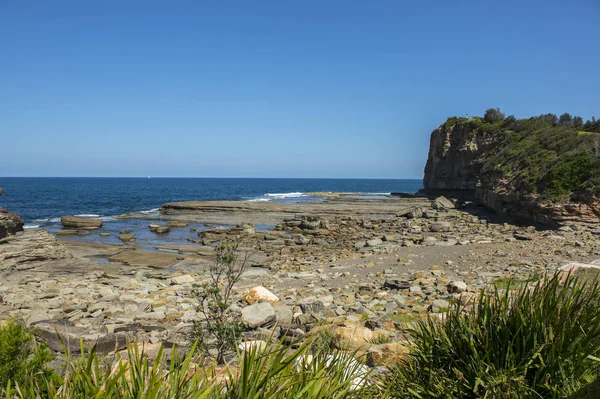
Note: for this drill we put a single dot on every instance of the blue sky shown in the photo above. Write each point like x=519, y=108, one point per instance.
x=276, y=88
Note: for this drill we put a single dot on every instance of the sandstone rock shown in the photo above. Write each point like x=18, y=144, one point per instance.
x=374, y=242
x=440, y=227
x=77, y=222
x=442, y=203
x=389, y=354
x=177, y=223
x=457, y=287
x=439, y=306
x=258, y=315
x=158, y=229
x=352, y=337
x=10, y=223
x=31, y=248
x=126, y=236
x=259, y=294
x=183, y=280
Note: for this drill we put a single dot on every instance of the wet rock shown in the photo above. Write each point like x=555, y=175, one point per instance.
x=126, y=236
x=158, y=229
x=177, y=223
x=77, y=222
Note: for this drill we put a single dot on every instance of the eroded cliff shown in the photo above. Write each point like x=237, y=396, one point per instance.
x=530, y=169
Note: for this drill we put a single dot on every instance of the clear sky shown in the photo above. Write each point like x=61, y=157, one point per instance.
x=276, y=88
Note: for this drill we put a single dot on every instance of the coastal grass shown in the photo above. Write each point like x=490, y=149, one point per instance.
x=274, y=371
x=533, y=342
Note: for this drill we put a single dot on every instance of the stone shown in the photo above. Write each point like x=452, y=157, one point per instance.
x=456, y=287
x=258, y=315
x=259, y=294
x=440, y=227
x=77, y=222
x=395, y=284
x=126, y=236
x=442, y=203
x=374, y=242
x=158, y=229
x=177, y=223
x=10, y=223
x=439, y=306
x=352, y=338
x=184, y=279
x=389, y=355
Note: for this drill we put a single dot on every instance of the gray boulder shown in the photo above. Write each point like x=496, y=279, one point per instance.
x=440, y=227
x=258, y=315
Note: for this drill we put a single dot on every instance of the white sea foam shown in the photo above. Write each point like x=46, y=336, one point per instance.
x=259, y=200
x=54, y=220
x=107, y=218
x=286, y=195
x=150, y=211
x=31, y=226
x=88, y=215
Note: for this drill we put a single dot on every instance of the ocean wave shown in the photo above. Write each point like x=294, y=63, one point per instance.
x=259, y=200
x=107, y=218
x=88, y=215
x=150, y=211
x=286, y=195
x=31, y=226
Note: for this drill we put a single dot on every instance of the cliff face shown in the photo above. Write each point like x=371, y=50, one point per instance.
x=456, y=156
x=460, y=159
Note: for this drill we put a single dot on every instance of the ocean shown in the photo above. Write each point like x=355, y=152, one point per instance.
x=42, y=201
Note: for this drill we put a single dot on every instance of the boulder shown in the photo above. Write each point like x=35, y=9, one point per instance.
x=439, y=306
x=158, y=229
x=77, y=222
x=259, y=294
x=10, y=223
x=352, y=337
x=440, y=227
x=183, y=280
x=457, y=287
x=389, y=355
x=374, y=242
x=442, y=203
x=258, y=315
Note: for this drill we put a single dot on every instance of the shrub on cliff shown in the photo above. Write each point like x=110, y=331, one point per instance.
x=538, y=342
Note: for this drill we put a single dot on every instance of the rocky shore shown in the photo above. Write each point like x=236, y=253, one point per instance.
x=363, y=267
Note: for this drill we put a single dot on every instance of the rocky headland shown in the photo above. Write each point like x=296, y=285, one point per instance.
x=539, y=169
x=362, y=266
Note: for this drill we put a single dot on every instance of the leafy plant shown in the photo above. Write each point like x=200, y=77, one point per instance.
x=220, y=326
x=539, y=341
x=24, y=362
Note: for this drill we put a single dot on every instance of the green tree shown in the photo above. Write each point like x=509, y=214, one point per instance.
x=565, y=119
x=493, y=115
x=577, y=122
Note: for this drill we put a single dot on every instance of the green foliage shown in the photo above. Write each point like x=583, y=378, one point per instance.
x=273, y=372
x=538, y=342
x=574, y=173
x=493, y=115
x=23, y=361
x=220, y=326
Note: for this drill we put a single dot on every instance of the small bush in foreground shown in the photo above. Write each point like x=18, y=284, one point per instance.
x=539, y=342
x=220, y=326
x=23, y=361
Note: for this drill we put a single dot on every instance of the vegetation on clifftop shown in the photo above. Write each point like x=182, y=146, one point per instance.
x=553, y=157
